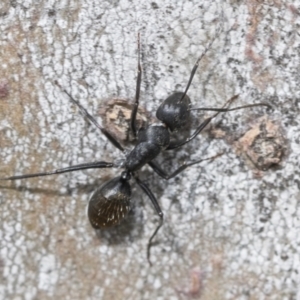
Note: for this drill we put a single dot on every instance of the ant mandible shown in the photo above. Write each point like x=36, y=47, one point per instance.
x=110, y=203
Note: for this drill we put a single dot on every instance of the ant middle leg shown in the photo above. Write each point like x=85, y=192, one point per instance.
x=162, y=173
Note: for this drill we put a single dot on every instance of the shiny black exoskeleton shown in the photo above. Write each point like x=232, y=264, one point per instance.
x=151, y=141
x=175, y=111
x=110, y=203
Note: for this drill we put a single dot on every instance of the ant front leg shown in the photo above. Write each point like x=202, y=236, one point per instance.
x=137, y=92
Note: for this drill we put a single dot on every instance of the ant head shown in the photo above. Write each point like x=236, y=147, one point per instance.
x=174, y=111
x=110, y=203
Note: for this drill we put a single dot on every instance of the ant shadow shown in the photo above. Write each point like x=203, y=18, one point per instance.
x=130, y=229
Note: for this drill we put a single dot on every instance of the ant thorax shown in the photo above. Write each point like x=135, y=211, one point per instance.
x=151, y=141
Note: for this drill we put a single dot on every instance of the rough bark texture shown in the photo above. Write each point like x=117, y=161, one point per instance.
x=230, y=232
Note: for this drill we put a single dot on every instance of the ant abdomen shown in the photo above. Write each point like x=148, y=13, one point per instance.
x=174, y=111
x=110, y=203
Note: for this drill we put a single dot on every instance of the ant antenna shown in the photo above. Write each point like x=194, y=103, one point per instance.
x=197, y=63
x=231, y=109
x=138, y=89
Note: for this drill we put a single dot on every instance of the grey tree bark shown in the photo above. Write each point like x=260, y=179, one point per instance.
x=230, y=232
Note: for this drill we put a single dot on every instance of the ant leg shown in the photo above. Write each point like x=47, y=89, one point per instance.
x=201, y=127
x=137, y=92
x=93, y=121
x=174, y=145
x=148, y=192
x=158, y=170
x=93, y=165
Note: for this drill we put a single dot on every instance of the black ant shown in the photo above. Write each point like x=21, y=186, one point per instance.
x=110, y=203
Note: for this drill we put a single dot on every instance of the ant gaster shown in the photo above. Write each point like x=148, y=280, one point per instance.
x=110, y=203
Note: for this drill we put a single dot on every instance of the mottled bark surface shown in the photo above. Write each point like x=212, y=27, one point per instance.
x=230, y=232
